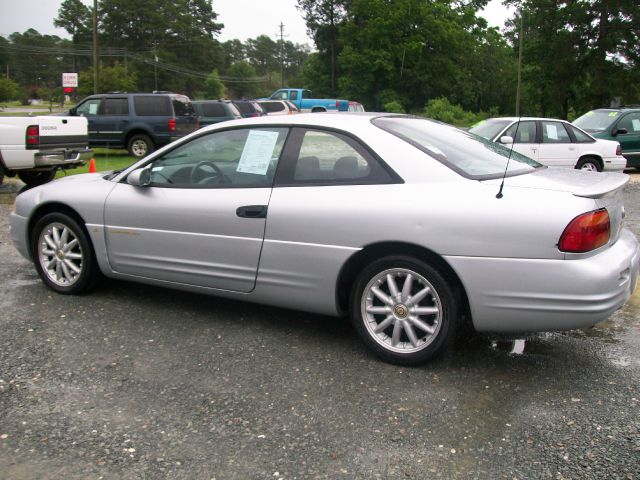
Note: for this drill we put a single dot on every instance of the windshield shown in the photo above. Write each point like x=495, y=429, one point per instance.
x=489, y=128
x=596, y=120
x=466, y=153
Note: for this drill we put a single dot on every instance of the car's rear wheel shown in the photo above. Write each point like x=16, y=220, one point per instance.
x=140, y=145
x=404, y=310
x=63, y=255
x=589, y=164
x=33, y=179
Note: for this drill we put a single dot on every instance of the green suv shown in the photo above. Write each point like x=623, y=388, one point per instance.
x=621, y=124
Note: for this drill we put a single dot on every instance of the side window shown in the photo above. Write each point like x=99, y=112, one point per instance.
x=581, y=137
x=334, y=159
x=554, y=132
x=88, y=108
x=152, y=106
x=523, y=132
x=232, y=158
x=272, y=107
x=115, y=106
x=631, y=123
x=293, y=95
x=280, y=95
x=213, y=110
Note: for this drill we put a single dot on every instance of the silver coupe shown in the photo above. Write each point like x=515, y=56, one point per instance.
x=410, y=226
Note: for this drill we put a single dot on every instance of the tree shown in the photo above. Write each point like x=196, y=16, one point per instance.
x=323, y=18
x=8, y=89
x=112, y=79
x=242, y=81
x=214, y=88
x=76, y=18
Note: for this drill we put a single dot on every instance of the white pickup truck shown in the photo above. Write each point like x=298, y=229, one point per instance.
x=35, y=147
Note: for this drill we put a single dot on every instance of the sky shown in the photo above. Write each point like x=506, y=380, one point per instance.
x=242, y=18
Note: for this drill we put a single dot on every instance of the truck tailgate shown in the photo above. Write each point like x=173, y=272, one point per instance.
x=62, y=132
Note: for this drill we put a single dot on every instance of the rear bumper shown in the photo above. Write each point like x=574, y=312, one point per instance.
x=526, y=295
x=614, y=164
x=62, y=158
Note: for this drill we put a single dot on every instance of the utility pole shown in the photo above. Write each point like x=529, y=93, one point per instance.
x=95, y=47
x=282, y=55
x=519, y=65
x=155, y=65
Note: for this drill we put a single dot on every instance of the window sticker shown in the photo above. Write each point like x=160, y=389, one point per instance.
x=257, y=152
x=93, y=108
x=636, y=124
x=552, y=132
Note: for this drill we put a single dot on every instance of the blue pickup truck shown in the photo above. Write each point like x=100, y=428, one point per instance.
x=303, y=99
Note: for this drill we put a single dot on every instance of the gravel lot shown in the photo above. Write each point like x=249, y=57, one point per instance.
x=139, y=382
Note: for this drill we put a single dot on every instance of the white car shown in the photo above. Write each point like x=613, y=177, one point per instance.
x=278, y=107
x=553, y=142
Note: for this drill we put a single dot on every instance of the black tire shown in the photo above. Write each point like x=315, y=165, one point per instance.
x=589, y=164
x=82, y=252
x=442, y=297
x=140, y=145
x=318, y=110
x=33, y=179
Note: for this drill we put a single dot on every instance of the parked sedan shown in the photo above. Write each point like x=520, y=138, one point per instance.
x=278, y=107
x=554, y=143
x=412, y=227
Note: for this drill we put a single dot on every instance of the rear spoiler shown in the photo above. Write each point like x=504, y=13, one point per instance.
x=608, y=184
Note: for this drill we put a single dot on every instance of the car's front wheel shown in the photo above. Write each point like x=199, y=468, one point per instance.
x=63, y=255
x=404, y=310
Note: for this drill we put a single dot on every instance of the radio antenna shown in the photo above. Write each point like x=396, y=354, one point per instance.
x=506, y=168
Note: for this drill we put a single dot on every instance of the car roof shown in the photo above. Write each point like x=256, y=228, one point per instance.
x=321, y=119
x=515, y=119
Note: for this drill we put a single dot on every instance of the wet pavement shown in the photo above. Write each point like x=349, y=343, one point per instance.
x=139, y=382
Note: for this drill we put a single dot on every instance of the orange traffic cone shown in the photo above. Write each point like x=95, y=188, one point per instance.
x=92, y=166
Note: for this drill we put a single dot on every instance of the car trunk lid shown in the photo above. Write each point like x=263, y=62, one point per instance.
x=606, y=189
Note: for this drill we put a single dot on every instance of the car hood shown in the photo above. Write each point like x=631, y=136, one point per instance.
x=578, y=182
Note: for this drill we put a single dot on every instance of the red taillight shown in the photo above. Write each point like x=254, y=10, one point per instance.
x=338, y=104
x=618, y=150
x=197, y=123
x=586, y=232
x=33, y=135
x=172, y=124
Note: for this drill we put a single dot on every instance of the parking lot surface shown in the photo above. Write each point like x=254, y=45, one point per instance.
x=132, y=381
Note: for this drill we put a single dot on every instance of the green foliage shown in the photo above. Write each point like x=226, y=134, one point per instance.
x=244, y=83
x=443, y=110
x=112, y=79
x=393, y=107
x=214, y=88
x=8, y=89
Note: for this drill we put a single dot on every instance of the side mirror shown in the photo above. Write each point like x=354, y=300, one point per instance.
x=72, y=112
x=506, y=140
x=140, y=177
x=620, y=131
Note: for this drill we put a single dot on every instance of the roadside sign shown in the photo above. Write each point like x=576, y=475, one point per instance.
x=70, y=80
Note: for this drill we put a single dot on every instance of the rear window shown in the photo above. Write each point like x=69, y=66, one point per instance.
x=182, y=106
x=489, y=128
x=467, y=154
x=245, y=107
x=272, y=107
x=148, y=106
x=212, y=110
x=597, y=120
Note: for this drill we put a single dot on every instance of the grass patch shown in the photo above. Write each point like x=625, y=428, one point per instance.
x=106, y=160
